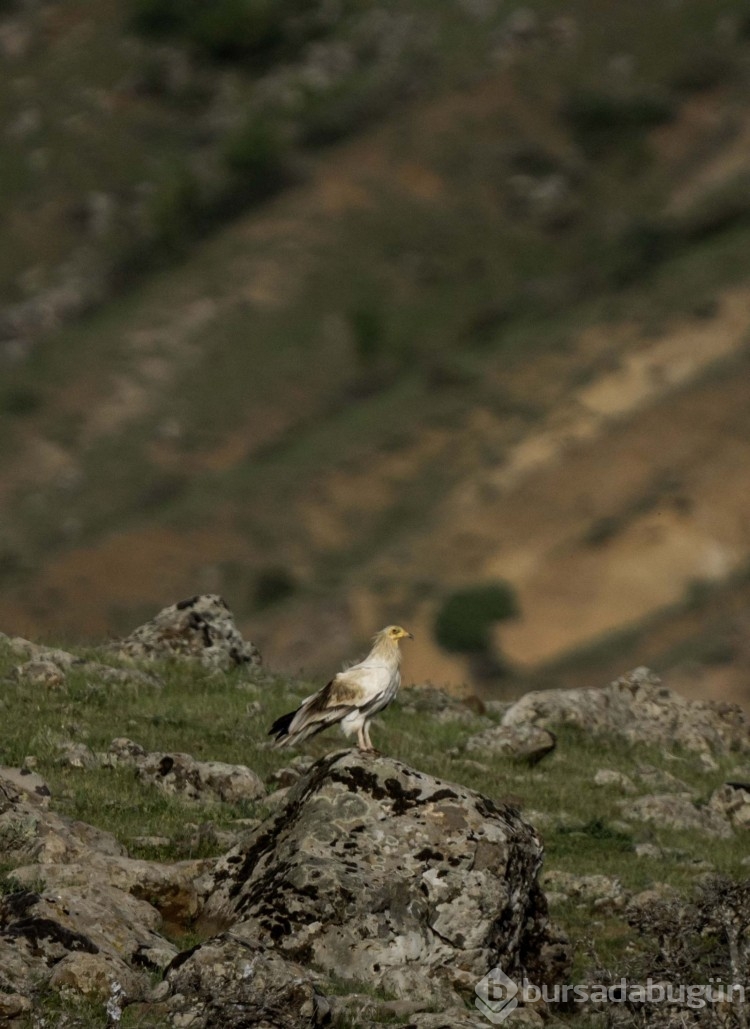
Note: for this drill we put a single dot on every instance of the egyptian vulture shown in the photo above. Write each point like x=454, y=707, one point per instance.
x=352, y=697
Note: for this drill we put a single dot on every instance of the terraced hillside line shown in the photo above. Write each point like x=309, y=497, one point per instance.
x=646, y=374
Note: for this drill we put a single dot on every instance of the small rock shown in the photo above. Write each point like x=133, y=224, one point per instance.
x=28, y=783
x=524, y=1017
x=93, y=975
x=210, y=781
x=497, y=708
x=525, y=743
x=440, y=705
x=657, y=779
x=677, y=811
x=276, y=799
x=13, y=1005
x=76, y=755
x=159, y=993
x=708, y=763
x=467, y=762
x=293, y=772
x=151, y=841
x=656, y=894
x=452, y=1018
x=123, y=751
x=598, y=891
x=732, y=801
x=40, y=672
x=649, y=850
x=610, y=777
x=36, y=652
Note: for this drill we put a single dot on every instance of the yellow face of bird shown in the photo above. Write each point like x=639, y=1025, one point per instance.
x=396, y=633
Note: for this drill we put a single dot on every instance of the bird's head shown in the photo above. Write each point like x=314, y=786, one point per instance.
x=394, y=633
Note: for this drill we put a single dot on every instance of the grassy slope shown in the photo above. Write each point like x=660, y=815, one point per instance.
x=226, y=717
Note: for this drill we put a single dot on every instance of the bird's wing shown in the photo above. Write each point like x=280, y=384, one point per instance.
x=362, y=686
x=322, y=709
x=359, y=684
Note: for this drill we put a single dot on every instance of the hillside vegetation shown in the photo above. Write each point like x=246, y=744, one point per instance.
x=289, y=310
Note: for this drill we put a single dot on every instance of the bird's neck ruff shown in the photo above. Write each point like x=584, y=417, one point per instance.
x=384, y=650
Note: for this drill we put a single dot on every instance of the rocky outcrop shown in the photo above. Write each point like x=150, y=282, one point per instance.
x=205, y=781
x=372, y=872
x=201, y=628
x=640, y=709
x=677, y=811
x=212, y=781
x=49, y=667
x=81, y=915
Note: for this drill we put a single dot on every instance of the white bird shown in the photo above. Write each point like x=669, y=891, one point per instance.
x=352, y=697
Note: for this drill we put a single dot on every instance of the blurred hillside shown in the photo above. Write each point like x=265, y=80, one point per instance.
x=337, y=308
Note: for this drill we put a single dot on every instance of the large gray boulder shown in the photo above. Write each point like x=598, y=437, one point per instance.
x=374, y=873
x=640, y=709
x=201, y=628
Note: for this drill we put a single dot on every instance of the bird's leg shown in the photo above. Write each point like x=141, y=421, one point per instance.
x=370, y=747
x=363, y=740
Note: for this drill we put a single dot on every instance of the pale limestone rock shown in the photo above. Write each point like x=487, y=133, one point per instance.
x=610, y=777
x=677, y=811
x=523, y=743
x=376, y=872
x=732, y=801
x=206, y=781
x=639, y=709
x=201, y=629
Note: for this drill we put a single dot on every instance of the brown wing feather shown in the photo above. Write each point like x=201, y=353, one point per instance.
x=328, y=706
x=337, y=693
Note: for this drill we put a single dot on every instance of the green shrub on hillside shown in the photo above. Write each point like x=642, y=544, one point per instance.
x=464, y=621
x=272, y=586
x=368, y=330
x=227, y=29
x=21, y=400
x=600, y=119
x=257, y=158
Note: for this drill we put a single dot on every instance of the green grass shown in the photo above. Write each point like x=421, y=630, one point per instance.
x=226, y=718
